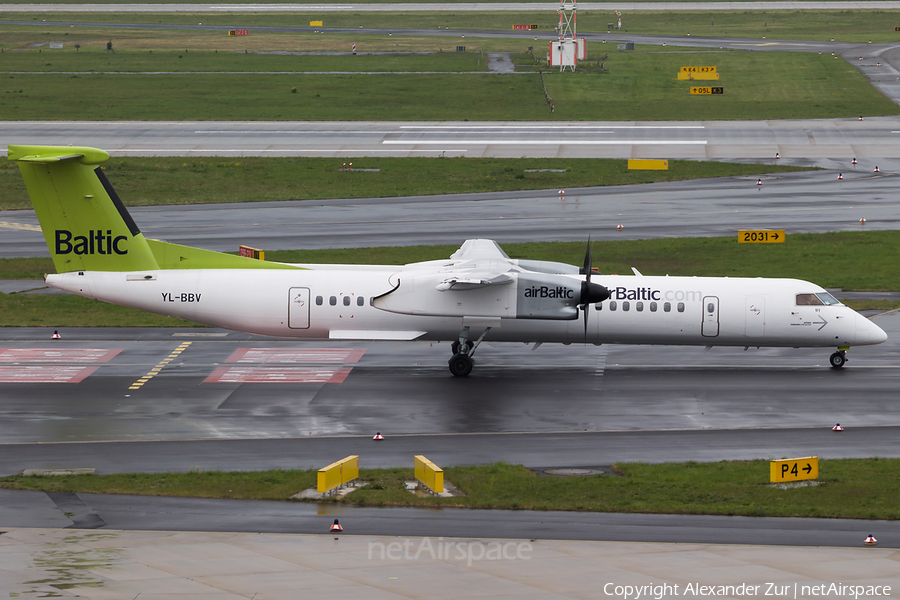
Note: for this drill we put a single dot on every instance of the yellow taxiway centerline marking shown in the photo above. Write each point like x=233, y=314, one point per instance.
x=160, y=366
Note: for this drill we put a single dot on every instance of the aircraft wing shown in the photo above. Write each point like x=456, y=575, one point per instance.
x=479, y=250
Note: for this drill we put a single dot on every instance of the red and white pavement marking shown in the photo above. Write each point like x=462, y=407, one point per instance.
x=278, y=375
x=57, y=355
x=296, y=355
x=44, y=374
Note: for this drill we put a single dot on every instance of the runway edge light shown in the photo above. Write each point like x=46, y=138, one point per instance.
x=55, y=335
x=837, y=427
x=336, y=527
x=871, y=541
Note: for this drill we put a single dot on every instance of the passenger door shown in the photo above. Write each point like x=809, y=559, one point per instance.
x=710, y=326
x=755, y=316
x=298, y=308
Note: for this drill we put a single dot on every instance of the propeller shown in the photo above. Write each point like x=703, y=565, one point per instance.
x=590, y=292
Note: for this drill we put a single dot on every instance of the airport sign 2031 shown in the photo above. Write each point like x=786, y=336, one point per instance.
x=761, y=236
x=706, y=91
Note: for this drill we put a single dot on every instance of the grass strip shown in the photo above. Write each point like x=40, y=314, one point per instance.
x=830, y=259
x=639, y=86
x=849, y=488
x=58, y=310
x=142, y=181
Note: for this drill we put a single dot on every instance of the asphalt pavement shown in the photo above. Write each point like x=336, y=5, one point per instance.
x=805, y=202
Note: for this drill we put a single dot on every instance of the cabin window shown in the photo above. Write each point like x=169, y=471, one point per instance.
x=653, y=307
x=639, y=306
x=667, y=307
x=710, y=308
x=346, y=300
x=598, y=306
x=612, y=305
x=319, y=300
x=332, y=301
x=681, y=307
x=360, y=301
x=626, y=306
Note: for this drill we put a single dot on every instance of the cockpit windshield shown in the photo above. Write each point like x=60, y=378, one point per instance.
x=819, y=299
x=827, y=299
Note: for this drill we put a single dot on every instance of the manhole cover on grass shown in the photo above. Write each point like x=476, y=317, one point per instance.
x=567, y=472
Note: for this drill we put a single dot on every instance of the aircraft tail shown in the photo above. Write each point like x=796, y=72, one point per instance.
x=86, y=226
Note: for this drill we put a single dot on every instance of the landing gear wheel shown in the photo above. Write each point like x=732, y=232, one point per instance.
x=454, y=348
x=838, y=359
x=461, y=365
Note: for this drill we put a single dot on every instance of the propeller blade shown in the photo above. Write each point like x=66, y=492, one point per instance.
x=585, y=311
x=586, y=286
x=588, y=259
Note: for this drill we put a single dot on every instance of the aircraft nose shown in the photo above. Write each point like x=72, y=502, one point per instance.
x=868, y=332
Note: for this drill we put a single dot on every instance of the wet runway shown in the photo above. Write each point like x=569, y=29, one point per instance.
x=807, y=202
x=94, y=511
x=100, y=386
x=560, y=406
x=447, y=7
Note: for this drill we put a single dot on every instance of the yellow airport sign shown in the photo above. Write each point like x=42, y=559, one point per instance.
x=645, y=164
x=337, y=474
x=794, y=469
x=698, y=70
x=761, y=236
x=315, y=23
x=429, y=474
x=705, y=91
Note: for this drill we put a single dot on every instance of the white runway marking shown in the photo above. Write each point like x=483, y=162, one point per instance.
x=548, y=142
x=130, y=151
x=562, y=127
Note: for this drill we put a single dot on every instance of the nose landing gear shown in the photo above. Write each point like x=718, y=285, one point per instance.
x=461, y=362
x=461, y=365
x=838, y=359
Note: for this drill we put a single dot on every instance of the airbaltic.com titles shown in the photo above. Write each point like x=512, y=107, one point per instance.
x=658, y=591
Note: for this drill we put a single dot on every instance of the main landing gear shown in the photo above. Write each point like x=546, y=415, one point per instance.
x=461, y=362
x=838, y=359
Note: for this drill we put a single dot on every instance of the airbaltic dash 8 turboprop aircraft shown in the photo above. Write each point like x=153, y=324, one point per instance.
x=477, y=294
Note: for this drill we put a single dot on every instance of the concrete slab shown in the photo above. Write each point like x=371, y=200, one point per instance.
x=114, y=565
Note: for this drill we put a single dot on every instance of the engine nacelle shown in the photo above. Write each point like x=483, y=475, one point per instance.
x=545, y=296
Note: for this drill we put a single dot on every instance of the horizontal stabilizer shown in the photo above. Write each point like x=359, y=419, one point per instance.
x=49, y=154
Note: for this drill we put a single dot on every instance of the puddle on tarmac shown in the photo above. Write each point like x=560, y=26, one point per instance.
x=67, y=565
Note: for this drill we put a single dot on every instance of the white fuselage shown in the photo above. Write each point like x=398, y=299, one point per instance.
x=336, y=302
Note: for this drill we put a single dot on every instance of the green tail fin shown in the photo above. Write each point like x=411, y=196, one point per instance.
x=85, y=223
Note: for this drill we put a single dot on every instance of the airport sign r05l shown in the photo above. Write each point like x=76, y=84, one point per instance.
x=706, y=91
